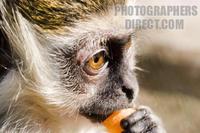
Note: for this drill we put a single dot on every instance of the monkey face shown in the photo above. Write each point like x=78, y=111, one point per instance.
x=92, y=54
x=100, y=74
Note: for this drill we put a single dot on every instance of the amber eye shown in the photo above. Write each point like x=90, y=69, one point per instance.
x=96, y=62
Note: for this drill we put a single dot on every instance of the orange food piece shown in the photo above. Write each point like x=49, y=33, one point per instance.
x=112, y=123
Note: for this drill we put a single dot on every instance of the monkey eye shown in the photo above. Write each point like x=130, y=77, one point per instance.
x=96, y=63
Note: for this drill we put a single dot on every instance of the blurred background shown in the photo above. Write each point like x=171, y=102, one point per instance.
x=170, y=75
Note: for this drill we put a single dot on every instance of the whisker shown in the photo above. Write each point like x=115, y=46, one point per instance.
x=141, y=69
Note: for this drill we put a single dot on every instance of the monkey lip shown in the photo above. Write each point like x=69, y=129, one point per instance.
x=96, y=117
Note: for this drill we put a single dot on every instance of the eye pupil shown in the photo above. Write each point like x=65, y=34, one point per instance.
x=96, y=59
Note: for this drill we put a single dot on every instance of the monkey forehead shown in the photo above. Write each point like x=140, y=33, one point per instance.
x=51, y=14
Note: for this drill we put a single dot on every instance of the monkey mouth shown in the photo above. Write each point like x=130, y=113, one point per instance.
x=95, y=117
x=103, y=106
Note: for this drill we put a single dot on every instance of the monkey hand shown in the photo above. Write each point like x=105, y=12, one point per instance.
x=142, y=121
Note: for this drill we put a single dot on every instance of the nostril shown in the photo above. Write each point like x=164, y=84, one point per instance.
x=128, y=92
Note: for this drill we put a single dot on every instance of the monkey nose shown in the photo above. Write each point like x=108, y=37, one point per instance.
x=129, y=93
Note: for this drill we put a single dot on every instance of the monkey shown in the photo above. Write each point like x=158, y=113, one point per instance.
x=66, y=66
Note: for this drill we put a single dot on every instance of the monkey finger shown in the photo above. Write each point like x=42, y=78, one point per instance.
x=133, y=118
